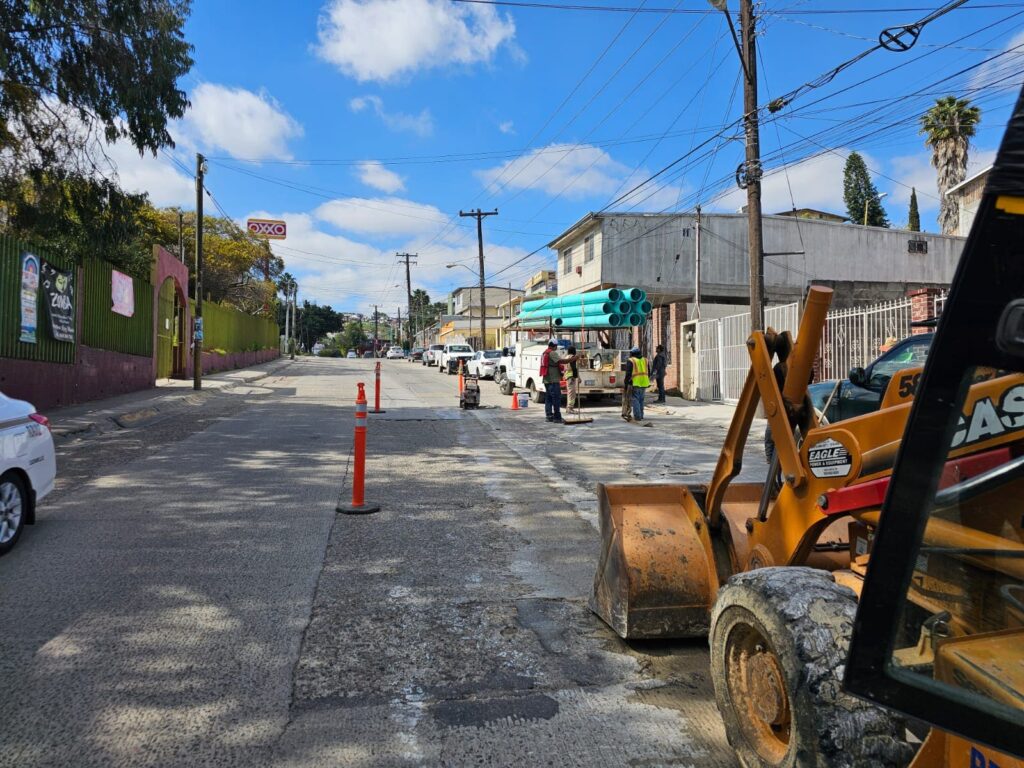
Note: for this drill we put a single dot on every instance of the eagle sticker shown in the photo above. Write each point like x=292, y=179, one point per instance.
x=829, y=458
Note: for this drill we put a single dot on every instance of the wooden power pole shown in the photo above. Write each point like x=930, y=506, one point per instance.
x=749, y=174
x=406, y=258
x=480, y=216
x=197, y=336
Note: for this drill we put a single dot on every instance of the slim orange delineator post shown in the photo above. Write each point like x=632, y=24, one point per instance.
x=359, y=505
x=376, y=390
x=462, y=381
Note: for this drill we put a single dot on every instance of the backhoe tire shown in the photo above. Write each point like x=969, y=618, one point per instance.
x=779, y=641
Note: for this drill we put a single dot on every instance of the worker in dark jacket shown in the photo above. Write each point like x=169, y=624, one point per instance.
x=658, y=366
x=552, y=375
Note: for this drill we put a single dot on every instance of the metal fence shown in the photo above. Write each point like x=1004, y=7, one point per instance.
x=722, y=357
x=104, y=329
x=229, y=330
x=46, y=348
x=855, y=337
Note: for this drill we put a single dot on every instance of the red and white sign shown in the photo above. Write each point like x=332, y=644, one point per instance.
x=271, y=229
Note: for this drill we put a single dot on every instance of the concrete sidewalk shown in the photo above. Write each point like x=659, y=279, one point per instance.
x=168, y=396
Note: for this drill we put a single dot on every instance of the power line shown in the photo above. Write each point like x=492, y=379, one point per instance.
x=691, y=11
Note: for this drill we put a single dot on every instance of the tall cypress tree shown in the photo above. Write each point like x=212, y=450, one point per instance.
x=858, y=189
x=914, y=218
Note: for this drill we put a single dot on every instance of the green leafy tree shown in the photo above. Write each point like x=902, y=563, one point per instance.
x=913, y=217
x=948, y=128
x=74, y=68
x=859, y=191
x=315, y=322
x=353, y=336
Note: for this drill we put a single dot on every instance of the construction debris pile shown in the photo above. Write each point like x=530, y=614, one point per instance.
x=611, y=308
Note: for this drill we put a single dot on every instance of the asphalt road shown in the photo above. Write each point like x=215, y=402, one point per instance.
x=189, y=596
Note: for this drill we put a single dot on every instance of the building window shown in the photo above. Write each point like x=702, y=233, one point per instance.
x=917, y=246
x=567, y=261
x=588, y=249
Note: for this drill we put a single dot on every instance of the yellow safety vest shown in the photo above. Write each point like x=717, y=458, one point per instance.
x=640, y=377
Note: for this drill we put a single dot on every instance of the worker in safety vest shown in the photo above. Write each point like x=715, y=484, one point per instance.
x=552, y=375
x=638, y=376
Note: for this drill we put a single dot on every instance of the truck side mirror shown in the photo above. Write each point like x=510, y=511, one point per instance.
x=858, y=376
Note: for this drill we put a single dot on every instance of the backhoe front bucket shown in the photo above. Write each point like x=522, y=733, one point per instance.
x=656, y=576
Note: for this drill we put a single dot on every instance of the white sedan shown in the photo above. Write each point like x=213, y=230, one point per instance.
x=28, y=467
x=396, y=353
x=484, y=363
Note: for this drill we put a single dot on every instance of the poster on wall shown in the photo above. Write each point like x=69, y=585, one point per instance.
x=29, y=297
x=59, y=292
x=122, y=294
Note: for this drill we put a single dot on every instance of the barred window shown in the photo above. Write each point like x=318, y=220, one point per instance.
x=917, y=246
x=588, y=249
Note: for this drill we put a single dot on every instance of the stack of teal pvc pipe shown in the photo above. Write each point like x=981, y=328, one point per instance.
x=610, y=308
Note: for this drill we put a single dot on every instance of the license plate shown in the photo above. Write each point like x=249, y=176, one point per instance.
x=589, y=382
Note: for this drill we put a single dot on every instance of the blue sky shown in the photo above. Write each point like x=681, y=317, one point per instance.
x=368, y=124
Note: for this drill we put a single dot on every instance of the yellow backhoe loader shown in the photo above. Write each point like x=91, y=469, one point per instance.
x=772, y=571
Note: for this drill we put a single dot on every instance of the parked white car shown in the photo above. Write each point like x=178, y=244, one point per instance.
x=395, y=353
x=28, y=467
x=432, y=355
x=351, y=355
x=451, y=355
x=484, y=363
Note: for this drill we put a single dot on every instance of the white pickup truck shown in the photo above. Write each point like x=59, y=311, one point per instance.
x=432, y=354
x=451, y=355
x=601, y=374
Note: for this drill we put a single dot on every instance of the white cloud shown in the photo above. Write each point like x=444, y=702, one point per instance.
x=1003, y=69
x=375, y=175
x=242, y=123
x=157, y=176
x=507, y=127
x=381, y=216
x=380, y=40
x=353, y=276
x=575, y=171
x=421, y=124
x=816, y=182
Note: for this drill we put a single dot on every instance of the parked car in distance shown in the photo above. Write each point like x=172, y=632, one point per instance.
x=28, y=467
x=416, y=353
x=451, y=355
x=395, y=353
x=368, y=355
x=432, y=355
x=484, y=363
x=863, y=390
x=351, y=354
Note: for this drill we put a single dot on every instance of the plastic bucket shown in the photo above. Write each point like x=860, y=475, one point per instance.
x=524, y=399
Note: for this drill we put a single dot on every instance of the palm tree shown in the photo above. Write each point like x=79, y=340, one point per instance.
x=948, y=128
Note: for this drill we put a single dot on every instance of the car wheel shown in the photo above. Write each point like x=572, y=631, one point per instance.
x=13, y=510
x=535, y=394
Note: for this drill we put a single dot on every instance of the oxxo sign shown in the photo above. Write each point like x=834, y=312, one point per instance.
x=268, y=228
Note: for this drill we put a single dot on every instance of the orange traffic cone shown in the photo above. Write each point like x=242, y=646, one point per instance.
x=515, y=401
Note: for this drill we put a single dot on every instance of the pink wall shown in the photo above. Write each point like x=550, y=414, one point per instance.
x=97, y=373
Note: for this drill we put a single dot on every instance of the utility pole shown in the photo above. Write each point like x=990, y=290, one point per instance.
x=197, y=341
x=287, y=316
x=374, y=330
x=407, y=259
x=696, y=290
x=399, y=326
x=480, y=216
x=749, y=173
x=295, y=317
